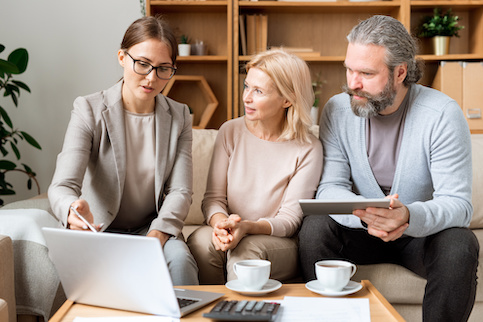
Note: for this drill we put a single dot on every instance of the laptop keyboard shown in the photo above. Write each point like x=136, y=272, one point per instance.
x=185, y=302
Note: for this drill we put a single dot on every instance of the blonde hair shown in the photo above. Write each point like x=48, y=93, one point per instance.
x=291, y=77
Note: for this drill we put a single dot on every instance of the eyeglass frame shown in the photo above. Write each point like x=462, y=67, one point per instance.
x=152, y=67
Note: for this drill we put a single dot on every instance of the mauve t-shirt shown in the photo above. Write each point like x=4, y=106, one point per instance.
x=383, y=140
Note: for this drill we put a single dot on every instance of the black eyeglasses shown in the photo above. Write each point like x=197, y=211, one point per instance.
x=143, y=68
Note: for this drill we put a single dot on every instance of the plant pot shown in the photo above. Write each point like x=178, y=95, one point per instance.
x=441, y=45
x=184, y=49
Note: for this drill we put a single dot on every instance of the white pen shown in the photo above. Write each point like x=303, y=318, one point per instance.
x=83, y=219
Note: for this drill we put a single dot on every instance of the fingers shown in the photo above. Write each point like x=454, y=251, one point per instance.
x=80, y=217
x=388, y=236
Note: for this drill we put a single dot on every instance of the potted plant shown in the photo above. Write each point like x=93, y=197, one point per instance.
x=441, y=26
x=184, y=47
x=15, y=64
x=317, y=88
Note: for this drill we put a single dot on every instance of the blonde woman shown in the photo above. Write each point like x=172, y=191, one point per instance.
x=262, y=164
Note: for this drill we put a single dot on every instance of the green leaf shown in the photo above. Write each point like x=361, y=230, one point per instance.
x=15, y=150
x=5, y=117
x=8, y=67
x=2, y=48
x=31, y=140
x=20, y=58
x=4, y=192
x=7, y=165
x=29, y=183
x=3, y=150
x=14, y=98
x=27, y=168
x=21, y=85
x=13, y=88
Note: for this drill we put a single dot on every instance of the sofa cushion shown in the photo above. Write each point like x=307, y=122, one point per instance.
x=3, y=311
x=203, y=143
x=477, y=154
x=7, y=286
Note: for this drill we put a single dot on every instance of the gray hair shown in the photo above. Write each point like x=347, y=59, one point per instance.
x=400, y=46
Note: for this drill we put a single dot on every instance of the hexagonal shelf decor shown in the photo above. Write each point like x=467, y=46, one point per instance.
x=196, y=93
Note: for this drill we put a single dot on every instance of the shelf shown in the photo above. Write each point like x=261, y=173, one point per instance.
x=308, y=58
x=455, y=57
x=334, y=6
x=199, y=5
x=464, y=4
x=198, y=59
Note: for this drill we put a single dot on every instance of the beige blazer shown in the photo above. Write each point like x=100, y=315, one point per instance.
x=92, y=163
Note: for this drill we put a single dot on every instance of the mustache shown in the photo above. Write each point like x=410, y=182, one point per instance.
x=352, y=92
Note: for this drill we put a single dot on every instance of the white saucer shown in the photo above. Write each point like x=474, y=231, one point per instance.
x=350, y=288
x=270, y=286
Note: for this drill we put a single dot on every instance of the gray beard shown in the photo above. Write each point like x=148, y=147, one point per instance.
x=375, y=103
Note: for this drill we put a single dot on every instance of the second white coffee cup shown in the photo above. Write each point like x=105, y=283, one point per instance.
x=334, y=275
x=253, y=274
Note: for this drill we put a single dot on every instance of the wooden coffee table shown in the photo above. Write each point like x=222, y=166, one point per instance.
x=380, y=308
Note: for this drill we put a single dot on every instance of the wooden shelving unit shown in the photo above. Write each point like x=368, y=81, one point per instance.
x=210, y=22
x=322, y=26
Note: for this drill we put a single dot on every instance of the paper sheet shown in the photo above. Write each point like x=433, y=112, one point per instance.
x=310, y=309
x=128, y=319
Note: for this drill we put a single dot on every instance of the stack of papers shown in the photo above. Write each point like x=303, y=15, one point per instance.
x=310, y=309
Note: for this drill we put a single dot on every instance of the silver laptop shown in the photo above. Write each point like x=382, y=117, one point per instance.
x=119, y=271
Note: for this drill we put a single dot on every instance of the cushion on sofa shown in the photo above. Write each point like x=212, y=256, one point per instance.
x=477, y=154
x=203, y=143
x=7, y=286
x=3, y=311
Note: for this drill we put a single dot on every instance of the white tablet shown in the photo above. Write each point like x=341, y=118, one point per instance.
x=339, y=207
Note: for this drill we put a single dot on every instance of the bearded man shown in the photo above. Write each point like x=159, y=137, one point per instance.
x=388, y=137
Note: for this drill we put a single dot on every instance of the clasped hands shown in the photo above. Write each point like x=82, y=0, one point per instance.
x=386, y=224
x=227, y=232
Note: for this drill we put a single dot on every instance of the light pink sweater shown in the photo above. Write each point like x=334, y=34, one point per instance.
x=261, y=180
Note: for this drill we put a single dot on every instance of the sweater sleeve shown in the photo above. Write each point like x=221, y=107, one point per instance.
x=451, y=174
x=302, y=185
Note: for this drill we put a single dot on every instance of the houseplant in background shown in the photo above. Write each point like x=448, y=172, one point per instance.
x=184, y=47
x=15, y=64
x=441, y=26
x=317, y=88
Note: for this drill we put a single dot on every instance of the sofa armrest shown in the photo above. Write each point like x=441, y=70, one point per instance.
x=7, y=284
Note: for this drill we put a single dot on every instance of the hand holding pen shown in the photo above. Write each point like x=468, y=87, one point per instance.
x=81, y=222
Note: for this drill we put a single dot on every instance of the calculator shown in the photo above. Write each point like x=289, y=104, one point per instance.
x=243, y=311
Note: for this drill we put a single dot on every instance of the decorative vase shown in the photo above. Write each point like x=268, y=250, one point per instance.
x=184, y=49
x=441, y=45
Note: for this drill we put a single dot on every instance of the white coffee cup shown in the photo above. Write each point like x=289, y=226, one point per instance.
x=252, y=273
x=334, y=275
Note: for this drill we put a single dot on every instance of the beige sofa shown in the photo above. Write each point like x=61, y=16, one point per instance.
x=7, y=293
x=402, y=288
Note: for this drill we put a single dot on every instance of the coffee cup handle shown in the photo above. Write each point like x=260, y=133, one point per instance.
x=234, y=269
x=354, y=269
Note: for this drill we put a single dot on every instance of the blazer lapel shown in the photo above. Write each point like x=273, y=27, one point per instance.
x=114, y=118
x=163, y=131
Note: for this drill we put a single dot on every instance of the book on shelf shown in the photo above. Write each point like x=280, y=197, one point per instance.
x=253, y=33
x=243, y=35
x=300, y=51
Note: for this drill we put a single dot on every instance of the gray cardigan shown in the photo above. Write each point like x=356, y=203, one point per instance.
x=92, y=164
x=433, y=174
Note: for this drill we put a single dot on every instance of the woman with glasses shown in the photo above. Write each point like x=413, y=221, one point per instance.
x=126, y=164
x=262, y=164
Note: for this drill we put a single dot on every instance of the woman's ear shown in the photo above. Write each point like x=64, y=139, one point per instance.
x=286, y=103
x=121, y=57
